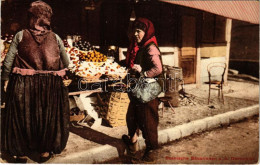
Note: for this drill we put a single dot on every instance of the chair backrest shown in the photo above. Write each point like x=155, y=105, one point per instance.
x=216, y=71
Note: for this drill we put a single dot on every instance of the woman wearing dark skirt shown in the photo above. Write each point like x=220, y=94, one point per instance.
x=36, y=116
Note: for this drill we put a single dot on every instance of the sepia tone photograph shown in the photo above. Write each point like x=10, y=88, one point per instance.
x=129, y=82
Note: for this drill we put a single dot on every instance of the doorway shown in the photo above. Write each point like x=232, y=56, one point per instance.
x=188, y=48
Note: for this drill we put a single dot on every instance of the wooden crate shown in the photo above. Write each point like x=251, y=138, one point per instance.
x=117, y=109
x=77, y=117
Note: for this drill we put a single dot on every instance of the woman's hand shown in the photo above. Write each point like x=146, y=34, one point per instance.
x=137, y=68
x=5, y=85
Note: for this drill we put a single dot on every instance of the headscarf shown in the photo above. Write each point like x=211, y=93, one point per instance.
x=39, y=15
x=147, y=26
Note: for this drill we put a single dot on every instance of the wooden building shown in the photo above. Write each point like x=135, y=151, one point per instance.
x=190, y=34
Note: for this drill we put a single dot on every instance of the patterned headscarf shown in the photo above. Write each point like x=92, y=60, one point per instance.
x=39, y=15
x=147, y=26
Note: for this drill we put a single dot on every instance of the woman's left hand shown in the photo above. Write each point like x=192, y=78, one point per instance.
x=137, y=68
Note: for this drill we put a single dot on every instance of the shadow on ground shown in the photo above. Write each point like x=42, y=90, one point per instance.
x=99, y=137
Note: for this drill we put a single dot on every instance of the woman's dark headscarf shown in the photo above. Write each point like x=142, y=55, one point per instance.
x=39, y=15
x=147, y=26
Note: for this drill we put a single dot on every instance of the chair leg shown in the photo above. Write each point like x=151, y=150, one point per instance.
x=218, y=92
x=209, y=95
x=171, y=107
x=162, y=108
x=222, y=94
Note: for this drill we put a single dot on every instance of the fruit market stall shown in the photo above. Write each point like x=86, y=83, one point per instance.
x=91, y=77
x=90, y=80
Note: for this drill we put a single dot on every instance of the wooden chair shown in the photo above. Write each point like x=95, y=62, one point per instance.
x=216, y=71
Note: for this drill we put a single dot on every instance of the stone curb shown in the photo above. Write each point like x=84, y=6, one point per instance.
x=207, y=123
x=106, y=152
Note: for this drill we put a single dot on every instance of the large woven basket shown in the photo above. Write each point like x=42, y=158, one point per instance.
x=117, y=109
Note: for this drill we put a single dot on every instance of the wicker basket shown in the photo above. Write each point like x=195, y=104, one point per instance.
x=88, y=79
x=117, y=109
x=116, y=76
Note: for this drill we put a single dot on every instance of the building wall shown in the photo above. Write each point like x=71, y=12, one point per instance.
x=244, y=51
x=69, y=18
x=108, y=25
x=213, y=50
x=166, y=18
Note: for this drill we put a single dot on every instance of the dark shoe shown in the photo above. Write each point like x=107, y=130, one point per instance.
x=22, y=160
x=135, y=160
x=148, y=157
x=132, y=147
x=44, y=158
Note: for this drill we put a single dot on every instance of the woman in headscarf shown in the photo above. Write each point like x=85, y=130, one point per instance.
x=36, y=116
x=143, y=57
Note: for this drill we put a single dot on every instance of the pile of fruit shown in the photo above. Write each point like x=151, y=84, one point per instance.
x=5, y=45
x=83, y=45
x=77, y=55
x=87, y=69
x=92, y=56
x=93, y=64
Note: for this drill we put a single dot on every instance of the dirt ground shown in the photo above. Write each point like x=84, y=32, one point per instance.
x=235, y=144
x=237, y=95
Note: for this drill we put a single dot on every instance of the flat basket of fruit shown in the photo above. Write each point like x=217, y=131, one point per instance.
x=91, y=65
x=116, y=76
x=91, y=78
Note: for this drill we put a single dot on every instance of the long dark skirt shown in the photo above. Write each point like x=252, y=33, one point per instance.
x=36, y=117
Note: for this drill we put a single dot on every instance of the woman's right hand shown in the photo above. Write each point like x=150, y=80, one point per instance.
x=137, y=68
x=5, y=85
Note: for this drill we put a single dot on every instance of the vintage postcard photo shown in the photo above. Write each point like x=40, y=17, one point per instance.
x=129, y=81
